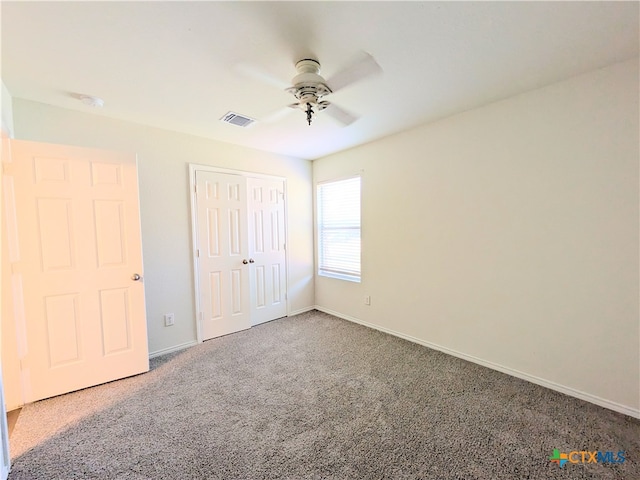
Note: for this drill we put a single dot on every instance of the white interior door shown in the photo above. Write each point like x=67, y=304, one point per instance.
x=267, y=249
x=222, y=250
x=75, y=251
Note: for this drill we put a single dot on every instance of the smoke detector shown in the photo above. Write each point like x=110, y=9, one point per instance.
x=92, y=101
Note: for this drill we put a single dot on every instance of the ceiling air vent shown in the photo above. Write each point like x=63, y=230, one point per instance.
x=237, y=119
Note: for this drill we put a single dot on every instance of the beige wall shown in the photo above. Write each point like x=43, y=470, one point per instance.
x=509, y=235
x=163, y=159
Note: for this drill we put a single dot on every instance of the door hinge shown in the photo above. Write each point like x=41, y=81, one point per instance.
x=195, y=188
x=198, y=253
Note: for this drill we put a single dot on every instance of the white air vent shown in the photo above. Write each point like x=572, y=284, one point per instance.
x=237, y=119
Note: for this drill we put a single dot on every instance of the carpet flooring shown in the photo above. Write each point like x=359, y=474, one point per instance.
x=316, y=397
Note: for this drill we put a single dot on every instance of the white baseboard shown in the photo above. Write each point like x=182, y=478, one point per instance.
x=175, y=348
x=587, y=397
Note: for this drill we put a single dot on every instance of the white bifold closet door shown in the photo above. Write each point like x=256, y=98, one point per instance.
x=240, y=249
x=266, y=249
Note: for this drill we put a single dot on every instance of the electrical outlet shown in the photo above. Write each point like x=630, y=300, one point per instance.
x=367, y=299
x=169, y=319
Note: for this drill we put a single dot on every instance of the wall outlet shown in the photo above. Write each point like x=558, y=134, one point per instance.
x=169, y=319
x=367, y=299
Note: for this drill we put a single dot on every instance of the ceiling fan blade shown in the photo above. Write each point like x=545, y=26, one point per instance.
x=340, y=114
x=277, y=115
x=363, y=66
x=260, y=75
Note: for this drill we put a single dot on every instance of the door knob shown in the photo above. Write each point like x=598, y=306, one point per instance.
x=245, y=261
x=251, y=260
x=135, y=277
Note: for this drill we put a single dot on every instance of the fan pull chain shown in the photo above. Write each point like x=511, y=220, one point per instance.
x=309, y=113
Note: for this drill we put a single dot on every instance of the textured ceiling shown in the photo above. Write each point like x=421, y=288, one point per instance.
x=183, y=65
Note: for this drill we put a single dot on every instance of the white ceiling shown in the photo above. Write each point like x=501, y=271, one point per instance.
x=179, y=65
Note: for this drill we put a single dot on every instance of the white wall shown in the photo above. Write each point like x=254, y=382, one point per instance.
x=509, y=235
x=163, y=159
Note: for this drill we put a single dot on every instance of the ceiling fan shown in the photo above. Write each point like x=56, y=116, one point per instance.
x=310, y=89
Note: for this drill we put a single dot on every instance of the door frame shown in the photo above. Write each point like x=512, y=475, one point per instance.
x=193, y=168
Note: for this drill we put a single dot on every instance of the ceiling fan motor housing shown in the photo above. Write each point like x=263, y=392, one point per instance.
x=308, y=85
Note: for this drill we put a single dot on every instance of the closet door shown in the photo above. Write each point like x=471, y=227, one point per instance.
x=267, y=249
x=240, y=251
x=222, y=253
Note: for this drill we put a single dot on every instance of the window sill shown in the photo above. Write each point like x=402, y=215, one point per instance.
x=340, y=276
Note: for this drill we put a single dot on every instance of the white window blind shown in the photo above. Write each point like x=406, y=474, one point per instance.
x=339, y=229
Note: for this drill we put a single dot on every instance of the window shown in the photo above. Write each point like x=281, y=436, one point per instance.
x=339, y=229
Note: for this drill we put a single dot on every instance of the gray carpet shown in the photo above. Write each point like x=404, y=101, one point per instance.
x=316, y=397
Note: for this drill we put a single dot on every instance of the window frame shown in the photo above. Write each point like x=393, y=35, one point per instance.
x=322, y=269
